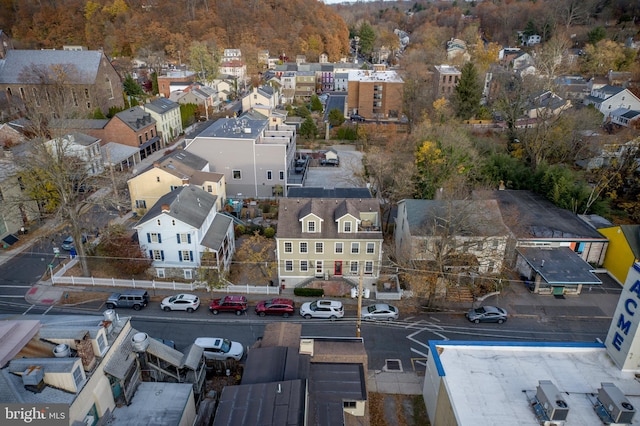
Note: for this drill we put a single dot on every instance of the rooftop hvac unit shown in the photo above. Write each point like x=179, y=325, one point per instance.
x=615, y=403
x=553, y=404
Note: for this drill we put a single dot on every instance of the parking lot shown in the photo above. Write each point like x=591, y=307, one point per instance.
x=342, y=176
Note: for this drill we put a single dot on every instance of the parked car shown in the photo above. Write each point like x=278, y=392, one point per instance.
x=487, y=314
x=136, y=299
x=330, y=162
x=277, y=306
x=180, y=302
x=380, y=311
x=300, y=165
x=68, y=243
x=220, y=349
x=237, y=304
x=357, y=117
x=322, y=309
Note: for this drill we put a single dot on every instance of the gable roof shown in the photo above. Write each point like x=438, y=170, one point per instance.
x=188, y=204
x=470, y=217
x=180, y=161
x=136, y=118
x=161, y=105
x=217, y=232
x=632, y=235
x=291, y=210
x=17, y=62
x=531, y=216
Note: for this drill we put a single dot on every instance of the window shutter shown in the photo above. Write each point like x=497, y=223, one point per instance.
x=150, y=253
x=189, y=238
x=148, y=237
x=178, y=237
x=180, y=255
x=162, y=254
x=191, y=255
x=159, y=238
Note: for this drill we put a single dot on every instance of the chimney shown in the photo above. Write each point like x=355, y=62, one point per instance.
x=156, y=164
x=185, y=181
x=166, y=208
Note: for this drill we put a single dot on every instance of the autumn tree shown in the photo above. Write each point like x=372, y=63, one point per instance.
x=118, y=250
x=607, y=55
x=204, y=61
x=468, y=92
x=255, y=259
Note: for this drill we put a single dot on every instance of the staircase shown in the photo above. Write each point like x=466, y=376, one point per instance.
x=459, y=294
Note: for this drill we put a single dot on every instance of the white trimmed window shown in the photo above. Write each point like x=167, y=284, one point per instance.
x=311, y=226
x=304, y=247
x=288, y=265
x=188, y=274
x=368, y=267
x=304, y=266
x=319, y=248
x=288, y=247
x=347, y=226
x=160, y=273
x=353, y=267
x=339, y=248
x=355, y=248
x=371, y=248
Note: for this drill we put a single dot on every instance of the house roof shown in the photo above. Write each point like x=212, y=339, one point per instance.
x=16, y=66
x=179, y=162
x=468, y=217
x=314, y=192
x=531, y=216
x=154, y=403
x=329, y=385
x=136, y=118
x=82, y=139
x=235, y=128
x=559, y=265
x=632, y=235
x=115, y=153
x=188, y=204
x=217, y=232
x=161, y=105
x=283, y=363
x=291, y=210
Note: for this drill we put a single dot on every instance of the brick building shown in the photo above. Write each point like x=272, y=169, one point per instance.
x=445, y=79
x=375, y=95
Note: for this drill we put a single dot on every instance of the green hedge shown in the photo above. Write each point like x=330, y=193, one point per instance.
x=308, y=292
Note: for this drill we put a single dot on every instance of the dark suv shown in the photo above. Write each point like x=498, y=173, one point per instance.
x=237, y=304
x=136, y=299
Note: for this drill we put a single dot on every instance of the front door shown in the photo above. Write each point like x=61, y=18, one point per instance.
x=337, y=268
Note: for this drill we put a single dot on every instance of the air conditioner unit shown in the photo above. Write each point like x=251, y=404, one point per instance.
x=615, y=403
x=552, y=402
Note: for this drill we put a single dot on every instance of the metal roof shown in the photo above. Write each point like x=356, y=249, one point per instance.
x=559, y=265
x=214, y=238
x=85, y=64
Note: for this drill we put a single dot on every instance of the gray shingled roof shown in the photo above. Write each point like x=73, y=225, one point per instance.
x=291, y=210
x=136, y=118
x=161, y=105
x=214, y=238
x=17, y=62
x=329, y=385
x=316, y=192
x=188, y=204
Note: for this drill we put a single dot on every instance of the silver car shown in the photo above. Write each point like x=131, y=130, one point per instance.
x=180, y=302
x=487, y=314
x=380, y=311
x=323, y=308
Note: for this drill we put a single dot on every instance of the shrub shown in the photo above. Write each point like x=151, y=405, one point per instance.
x=240, y=230
x=266, y=208
x=308, y=292
x=269, y=232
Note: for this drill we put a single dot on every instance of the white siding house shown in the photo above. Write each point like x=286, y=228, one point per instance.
x=180, y=228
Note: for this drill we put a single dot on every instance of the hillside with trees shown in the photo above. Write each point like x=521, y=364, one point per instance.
x=131, y=27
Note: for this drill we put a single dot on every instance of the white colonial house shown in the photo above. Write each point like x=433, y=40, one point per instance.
x=608, y=99
x=82, y=146
x=181, y=228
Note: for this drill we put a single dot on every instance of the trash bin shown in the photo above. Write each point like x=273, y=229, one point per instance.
x=367, y=292
x=354, y=293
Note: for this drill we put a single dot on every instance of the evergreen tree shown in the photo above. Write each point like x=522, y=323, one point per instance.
x=316, y=105
x=308, y=128
x=468, y=92
x=336, y=118
x=367, y=38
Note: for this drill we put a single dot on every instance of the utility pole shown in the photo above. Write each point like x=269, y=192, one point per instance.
x=359, y=318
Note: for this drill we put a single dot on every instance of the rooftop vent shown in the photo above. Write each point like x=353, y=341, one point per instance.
x=140, y=342
x=109, y=315
x=61, y=351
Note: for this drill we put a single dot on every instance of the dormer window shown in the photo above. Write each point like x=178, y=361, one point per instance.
x=311, y=226
x=347, y=227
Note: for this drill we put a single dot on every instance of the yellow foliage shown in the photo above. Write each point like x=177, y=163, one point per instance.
x=429, y=153
x=91, y=9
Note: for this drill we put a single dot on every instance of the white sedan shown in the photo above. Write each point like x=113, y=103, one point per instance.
x=380, y=311
x=180, y=302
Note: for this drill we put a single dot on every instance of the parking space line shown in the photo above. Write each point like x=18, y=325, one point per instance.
x=27, y=311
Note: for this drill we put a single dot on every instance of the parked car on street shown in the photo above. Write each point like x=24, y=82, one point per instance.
x=487, y=314
x=69, y=244
x=220, y=349
x=136, y=299
x=357, y=117
x=236, y=304
x=180, y=302
x=277, y=306
x=322, y=308
x=380, y=311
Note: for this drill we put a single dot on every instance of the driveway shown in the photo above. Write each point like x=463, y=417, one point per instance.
x=343, y=176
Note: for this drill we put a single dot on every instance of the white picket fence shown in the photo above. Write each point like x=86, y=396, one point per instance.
x=60, y=279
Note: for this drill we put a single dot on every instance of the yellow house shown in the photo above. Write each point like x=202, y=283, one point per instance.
x=179, y=168
x=623, y=250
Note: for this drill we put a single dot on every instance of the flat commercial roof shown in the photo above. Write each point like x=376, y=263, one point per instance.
x=489, y=383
